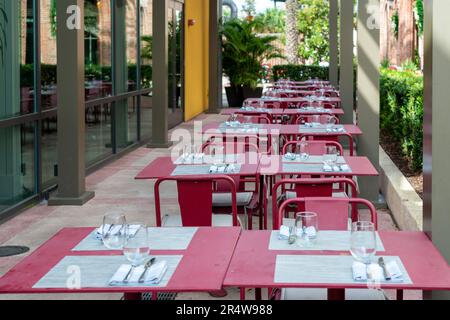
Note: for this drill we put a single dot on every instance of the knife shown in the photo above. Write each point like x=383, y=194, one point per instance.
x=382, y=264
x=147, y=266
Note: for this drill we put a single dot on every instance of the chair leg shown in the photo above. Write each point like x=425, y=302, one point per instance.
x=250, y=219
x=258, y=294
x=132, y=296
x=242, y=294
x=399, y=294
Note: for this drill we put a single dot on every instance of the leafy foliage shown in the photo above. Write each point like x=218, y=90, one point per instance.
x=419, y=12
x=401, y=112
x=313, y=26
x=271, y=21
x=299, y=72
x=249, y=8
x=395, y=23
x=244, y=52
x=147, y=47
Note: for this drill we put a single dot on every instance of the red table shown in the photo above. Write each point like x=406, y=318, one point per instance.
x=272, y=111
x=360, y=166
x=202, y=268
x=163, y=167
x=253, y=264
x=284, y=111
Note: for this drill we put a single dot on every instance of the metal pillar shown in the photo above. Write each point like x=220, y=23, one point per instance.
x=334, y=51
x=71, y=105
x=214, y=91
x=369, y=92
x=346, y=59
x=436, y=130
x=160, y=104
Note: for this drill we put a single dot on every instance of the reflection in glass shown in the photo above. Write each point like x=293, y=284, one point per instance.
x=146, y=44
x=97, y=33
x=49, y=140
x=175, y=44
x=98, y=133
x=17, y=173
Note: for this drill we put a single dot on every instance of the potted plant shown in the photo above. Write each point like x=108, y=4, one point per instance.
x=244, y=53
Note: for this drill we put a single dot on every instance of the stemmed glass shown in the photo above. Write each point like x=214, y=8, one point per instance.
x=136, y=248
x=331, y=155
x=113, y=230
x=363, y=241
x=306, y=228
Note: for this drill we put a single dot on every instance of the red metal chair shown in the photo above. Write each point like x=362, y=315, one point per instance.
x=325, y=105
x=315, y=147
x=322, y=118
x=333, y=213
x=195, y=213
x=329, y=137
x=312, y=187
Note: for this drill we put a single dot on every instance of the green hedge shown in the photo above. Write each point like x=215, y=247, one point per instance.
x=401, y=113
x=48, y=74
x=299, y=72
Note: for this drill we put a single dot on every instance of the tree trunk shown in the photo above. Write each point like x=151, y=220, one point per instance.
x=291, y=31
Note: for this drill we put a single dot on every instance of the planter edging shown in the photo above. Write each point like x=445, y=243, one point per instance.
x=403, y=201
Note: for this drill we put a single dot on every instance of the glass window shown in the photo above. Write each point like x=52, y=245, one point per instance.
x=97, y=26
x=49, y=140
x=98, y=133
x=146, y=66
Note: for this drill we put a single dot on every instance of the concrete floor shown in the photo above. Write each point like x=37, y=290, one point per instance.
x=115, y=188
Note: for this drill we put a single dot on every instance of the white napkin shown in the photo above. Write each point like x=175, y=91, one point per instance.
x=339, y=129
x=153, y=275
x=345, y=167
x=231, y=168
x=359, y=271
x=290, y=156
x=284, y=233
x=327, y=168
x=133, y=229
x=213, y=169
x=394, y=270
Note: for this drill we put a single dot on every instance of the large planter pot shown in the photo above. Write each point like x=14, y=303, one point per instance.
x=252, y=92
x=235, y=96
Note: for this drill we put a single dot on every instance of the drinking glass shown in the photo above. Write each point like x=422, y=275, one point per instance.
x=303, y=149
x=331, y=155
x=113, y=230
x=136, y=248
x=306, y=228
x=363, y=241
x=331, y=122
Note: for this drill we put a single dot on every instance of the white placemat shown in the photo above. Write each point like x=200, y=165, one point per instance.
x=309, y=167
x=320, y=129
x=159, y=239
x=96, y=272
x=310, y=269
x=326, y=240
x=189, y=170
x=311, y=159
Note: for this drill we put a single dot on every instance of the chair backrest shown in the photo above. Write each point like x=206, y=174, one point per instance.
x=235, y=147
x=252, y=118
x=315, y=147
x=325, y=105
x=332, y=212
x=329, y=137
x=195, y=199
x=313, y=187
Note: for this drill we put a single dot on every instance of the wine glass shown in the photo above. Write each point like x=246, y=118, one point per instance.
x=363, y=241
x=306, y=228
x=113, y=230
x=136, y=248
x=331, y=155
x=304, y=150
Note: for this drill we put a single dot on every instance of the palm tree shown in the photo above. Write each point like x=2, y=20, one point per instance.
x=291, y=31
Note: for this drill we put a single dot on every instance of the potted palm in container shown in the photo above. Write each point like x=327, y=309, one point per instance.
x=244, y=53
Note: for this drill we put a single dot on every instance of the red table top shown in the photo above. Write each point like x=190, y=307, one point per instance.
x=360, y=166
x=333, y=100
x=163, y=167
x=253, y=264
x=277, y=129
x=334, y=111
x=202, y=267
x=231, y=111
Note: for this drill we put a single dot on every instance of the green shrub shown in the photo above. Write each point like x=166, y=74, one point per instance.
x=299, y=72
x=401, y=111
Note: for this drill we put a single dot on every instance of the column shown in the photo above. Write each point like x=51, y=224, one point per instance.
x=214, y=96
x=71, y=105
x=120, y=70
x=160, y=76
x=369, y=91
x=334, y=51
x=346, y=60
x=436, y=130
x=11, y=179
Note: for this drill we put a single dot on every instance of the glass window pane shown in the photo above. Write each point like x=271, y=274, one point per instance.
x=98, y=133
x=131, y=44
x=17, y=173
x=146, y=44
x=48, y=54
x=49, y=151
x=97, y=26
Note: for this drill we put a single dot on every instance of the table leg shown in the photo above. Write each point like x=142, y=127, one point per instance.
x=132, y=296
x=399, y=294
x=242, y=294
x=258, y=294
x=261, y=193
x=336, y=294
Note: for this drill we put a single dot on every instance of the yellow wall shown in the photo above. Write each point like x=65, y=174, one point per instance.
x=196, y=57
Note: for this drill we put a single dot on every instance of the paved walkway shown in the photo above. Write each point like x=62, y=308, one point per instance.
x=115, y=189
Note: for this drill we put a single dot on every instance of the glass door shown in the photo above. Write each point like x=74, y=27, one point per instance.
x=176, y=62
